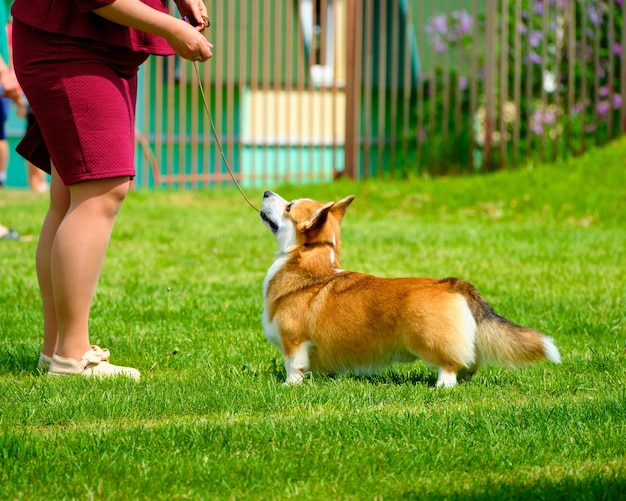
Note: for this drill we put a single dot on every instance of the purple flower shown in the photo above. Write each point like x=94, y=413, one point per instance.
x=603, y=107
x=440, y=24
x=589, y=128
x=534, y=38
x=439, y=45
x=617, y=49
x=577, y=108
x=594, y=16
x=536, y=122
x=617, y=101
x=604, y=91
x=536, y=127
x=539, y=7
x=534, y=57
x=422, y=134
x=437, y=28
x=464, y=21
x=462, y=83
x=549, y=117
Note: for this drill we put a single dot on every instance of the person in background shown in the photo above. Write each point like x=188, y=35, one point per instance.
x=7, y=233
x=77, y=63
x=36, y=177
x=10, y=89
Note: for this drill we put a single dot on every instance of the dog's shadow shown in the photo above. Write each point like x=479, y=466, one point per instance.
x=386, y=378
x=389, y=378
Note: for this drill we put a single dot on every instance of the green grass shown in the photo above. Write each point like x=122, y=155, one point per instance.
x=180, y=298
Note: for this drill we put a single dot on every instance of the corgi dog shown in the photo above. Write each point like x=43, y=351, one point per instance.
x=325, y=319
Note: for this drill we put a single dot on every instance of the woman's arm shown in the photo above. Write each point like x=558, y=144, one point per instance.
x=184, y=38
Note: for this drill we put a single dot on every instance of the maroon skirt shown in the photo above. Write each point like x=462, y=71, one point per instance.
x=83, y=95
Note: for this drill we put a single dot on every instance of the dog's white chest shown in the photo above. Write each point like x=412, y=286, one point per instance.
x=270, y=328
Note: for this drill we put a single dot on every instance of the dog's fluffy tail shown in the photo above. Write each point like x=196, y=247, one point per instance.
x=498, y=340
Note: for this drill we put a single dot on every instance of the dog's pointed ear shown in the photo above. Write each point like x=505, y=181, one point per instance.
x=339, y=209
x=317, y=218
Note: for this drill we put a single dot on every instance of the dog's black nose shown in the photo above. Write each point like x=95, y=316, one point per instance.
x=267, y=194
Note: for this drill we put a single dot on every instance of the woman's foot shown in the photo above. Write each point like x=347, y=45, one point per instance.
x=94, y=362
x=44, y=363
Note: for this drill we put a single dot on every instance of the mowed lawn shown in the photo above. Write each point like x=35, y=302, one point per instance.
x=180, y=298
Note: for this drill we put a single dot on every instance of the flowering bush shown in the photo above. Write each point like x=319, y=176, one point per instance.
x=545, y=110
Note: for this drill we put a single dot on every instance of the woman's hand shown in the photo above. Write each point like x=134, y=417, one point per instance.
x=184, y=38
x=188, y=42
x=194, y=11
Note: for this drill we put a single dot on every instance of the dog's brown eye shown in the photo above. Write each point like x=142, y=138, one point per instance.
x=288, y=208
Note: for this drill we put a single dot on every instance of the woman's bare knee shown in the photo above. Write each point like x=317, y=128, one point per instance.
x=104, y=196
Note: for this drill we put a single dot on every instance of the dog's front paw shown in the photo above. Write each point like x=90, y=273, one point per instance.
x=295, y=377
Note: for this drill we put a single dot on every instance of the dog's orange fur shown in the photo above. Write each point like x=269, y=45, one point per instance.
x=331, y=320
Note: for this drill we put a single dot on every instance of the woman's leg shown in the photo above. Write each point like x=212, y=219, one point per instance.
x=70, y=256
x=59, y=204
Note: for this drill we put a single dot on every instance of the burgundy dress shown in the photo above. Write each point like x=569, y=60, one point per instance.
x=79, y=74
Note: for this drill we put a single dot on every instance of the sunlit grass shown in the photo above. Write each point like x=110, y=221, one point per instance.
x=180, y=298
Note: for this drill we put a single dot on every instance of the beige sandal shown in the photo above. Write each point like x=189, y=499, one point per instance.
x=94, y=362
x=44, y=362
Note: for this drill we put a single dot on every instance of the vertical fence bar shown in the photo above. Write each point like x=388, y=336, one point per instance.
x=366, y=140
x=171, y=117
x=380, y=86
x=253, y=54
x=543, y=95
x=318, y=103
x=473, y=90
x=143, y=131
x=278, y=111
x=221, y=90
x=596, y=80
x=623, y=71
x=406, y=84
x=396, y=65
x=611, y=70
x=583, y=83
x=504, y=87
x=559, y=41
x=182, y=136
x=517, y=79
x=338, y=13
x=308, y=125
x=351, y=134
x=196, y=158
x=571, y=68
x=444, y=121
x=458, y=92
x=242, y=81
x=289, y=54
x=490, y=49
x=528, y=96
x=300, y=88
x=419, y=129
x=229, y=78
x=266, y=65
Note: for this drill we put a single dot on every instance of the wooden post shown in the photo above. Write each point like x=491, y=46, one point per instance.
x=353, y=69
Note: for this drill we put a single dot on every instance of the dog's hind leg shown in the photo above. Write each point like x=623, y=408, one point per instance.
x=297, y=364
x=446, y=378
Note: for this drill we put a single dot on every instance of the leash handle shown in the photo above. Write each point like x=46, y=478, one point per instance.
x=217, y=139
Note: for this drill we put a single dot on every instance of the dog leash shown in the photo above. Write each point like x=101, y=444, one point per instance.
x=217, y=140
